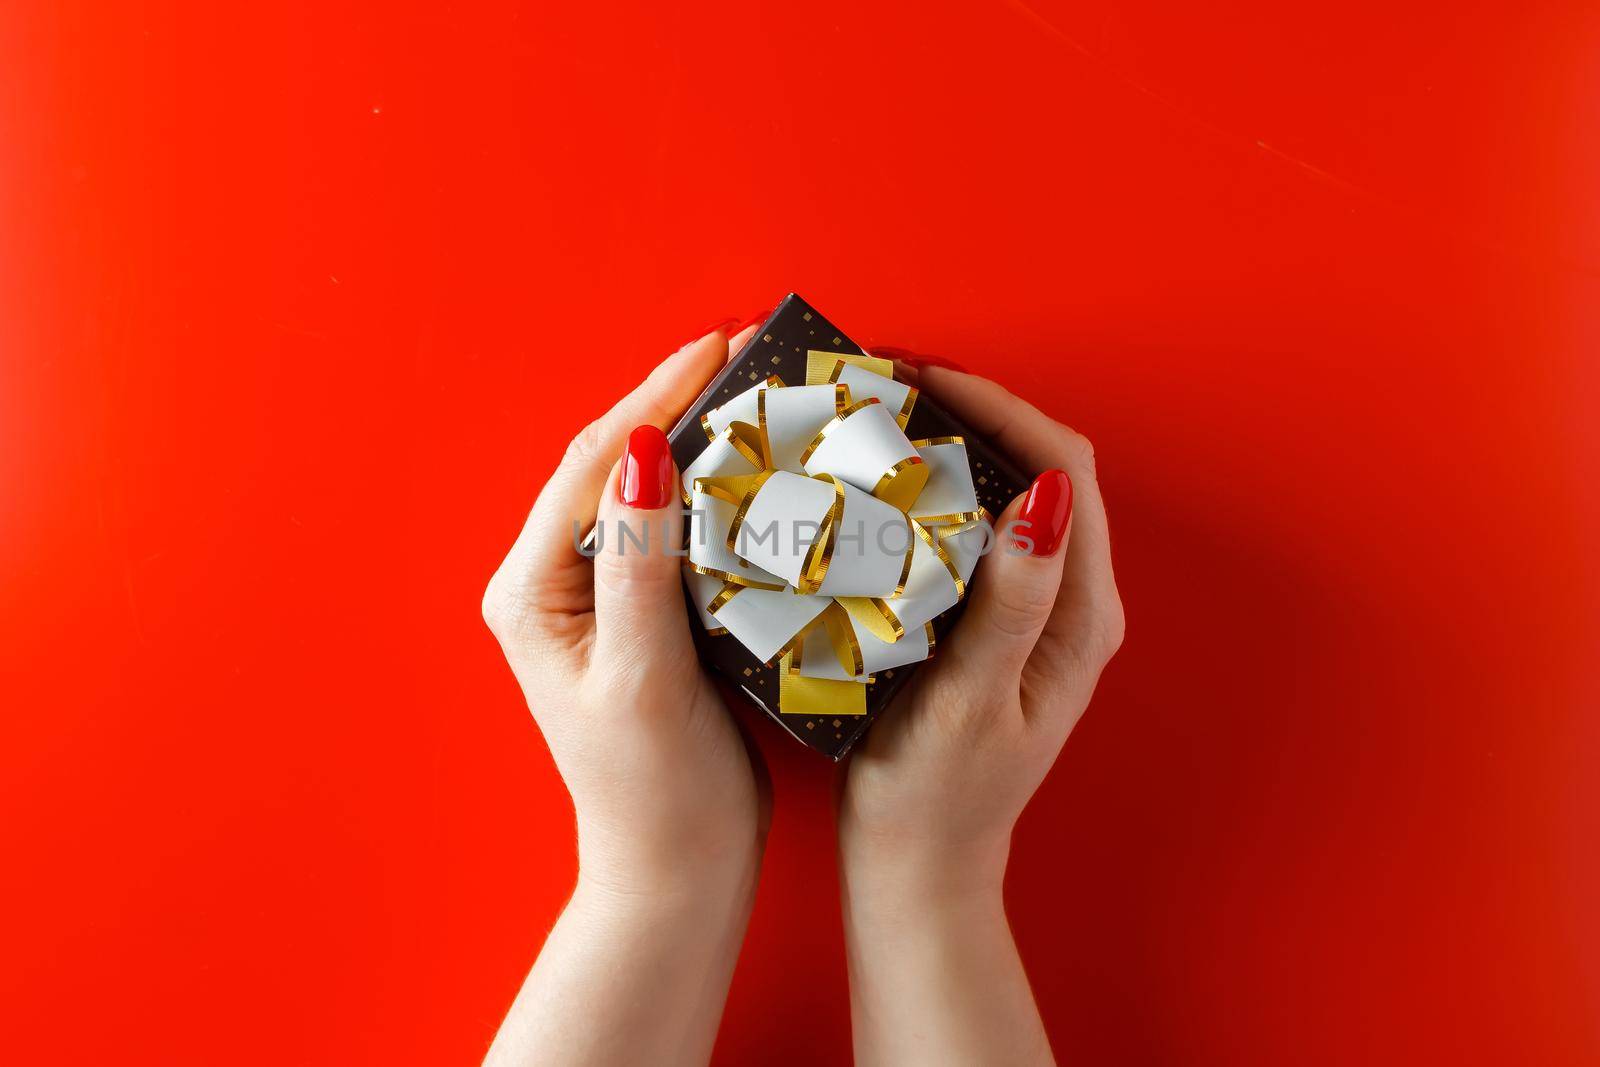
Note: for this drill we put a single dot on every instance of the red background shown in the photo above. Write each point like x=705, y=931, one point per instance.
x=299, y=303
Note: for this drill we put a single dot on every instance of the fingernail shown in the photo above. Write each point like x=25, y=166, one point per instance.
x=1046, y=512
x=752, y=320
x=646, y=480
x=905, y=372
x=916, y=359
x=720, y=324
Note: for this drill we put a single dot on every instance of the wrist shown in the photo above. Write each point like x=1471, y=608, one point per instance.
x=903, y=882
x=708, y=910
x=666, y=878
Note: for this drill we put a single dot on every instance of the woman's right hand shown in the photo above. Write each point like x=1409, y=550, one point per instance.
x=670, y=805
x=931, y=796
x=662, y=784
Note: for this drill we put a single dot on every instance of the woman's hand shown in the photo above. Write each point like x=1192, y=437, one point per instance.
x=670, y=815
x=931, y=797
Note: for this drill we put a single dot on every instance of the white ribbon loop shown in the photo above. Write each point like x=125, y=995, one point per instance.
x=726, y=456
x=865, y=446
x=817, y=659
x=898, y=397
x=872, y=544
x=783, y=525
x=791, y=417
x=931, y=590
x=742, y=408
x=949, y=496
x=710, y=518
x=762, y=621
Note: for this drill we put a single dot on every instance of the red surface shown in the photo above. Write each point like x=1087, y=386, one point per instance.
x=298, y=305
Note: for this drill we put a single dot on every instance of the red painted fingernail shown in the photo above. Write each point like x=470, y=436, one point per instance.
x=916, y=359
x=1046, y=512
x=758, y=317
x=646, y=481
x=720, y=324
x=905, y=372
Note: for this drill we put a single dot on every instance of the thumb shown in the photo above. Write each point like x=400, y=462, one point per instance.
x=640, y=620
x=1016, y=582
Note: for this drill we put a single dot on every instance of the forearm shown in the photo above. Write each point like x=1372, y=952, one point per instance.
x=934, y=973
x=629, y=978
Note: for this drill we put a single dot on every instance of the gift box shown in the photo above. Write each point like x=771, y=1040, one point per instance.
x=836, y=519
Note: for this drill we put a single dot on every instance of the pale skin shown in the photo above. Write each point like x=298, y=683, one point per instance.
x=672, y=807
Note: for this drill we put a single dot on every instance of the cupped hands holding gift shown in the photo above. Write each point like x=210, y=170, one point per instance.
x=671, y=805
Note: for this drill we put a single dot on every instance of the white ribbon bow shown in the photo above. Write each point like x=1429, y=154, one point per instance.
x=822, y=537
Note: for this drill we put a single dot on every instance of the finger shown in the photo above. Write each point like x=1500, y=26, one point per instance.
x=544, y=572
x=1015, y=586
x=639, y=617
x=737, y=342
x=908, y=364
x=1039, y=442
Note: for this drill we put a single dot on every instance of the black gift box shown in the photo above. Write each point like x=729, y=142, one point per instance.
x=779, y=348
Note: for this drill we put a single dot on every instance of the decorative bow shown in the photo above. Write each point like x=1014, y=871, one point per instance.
x=823, y=538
